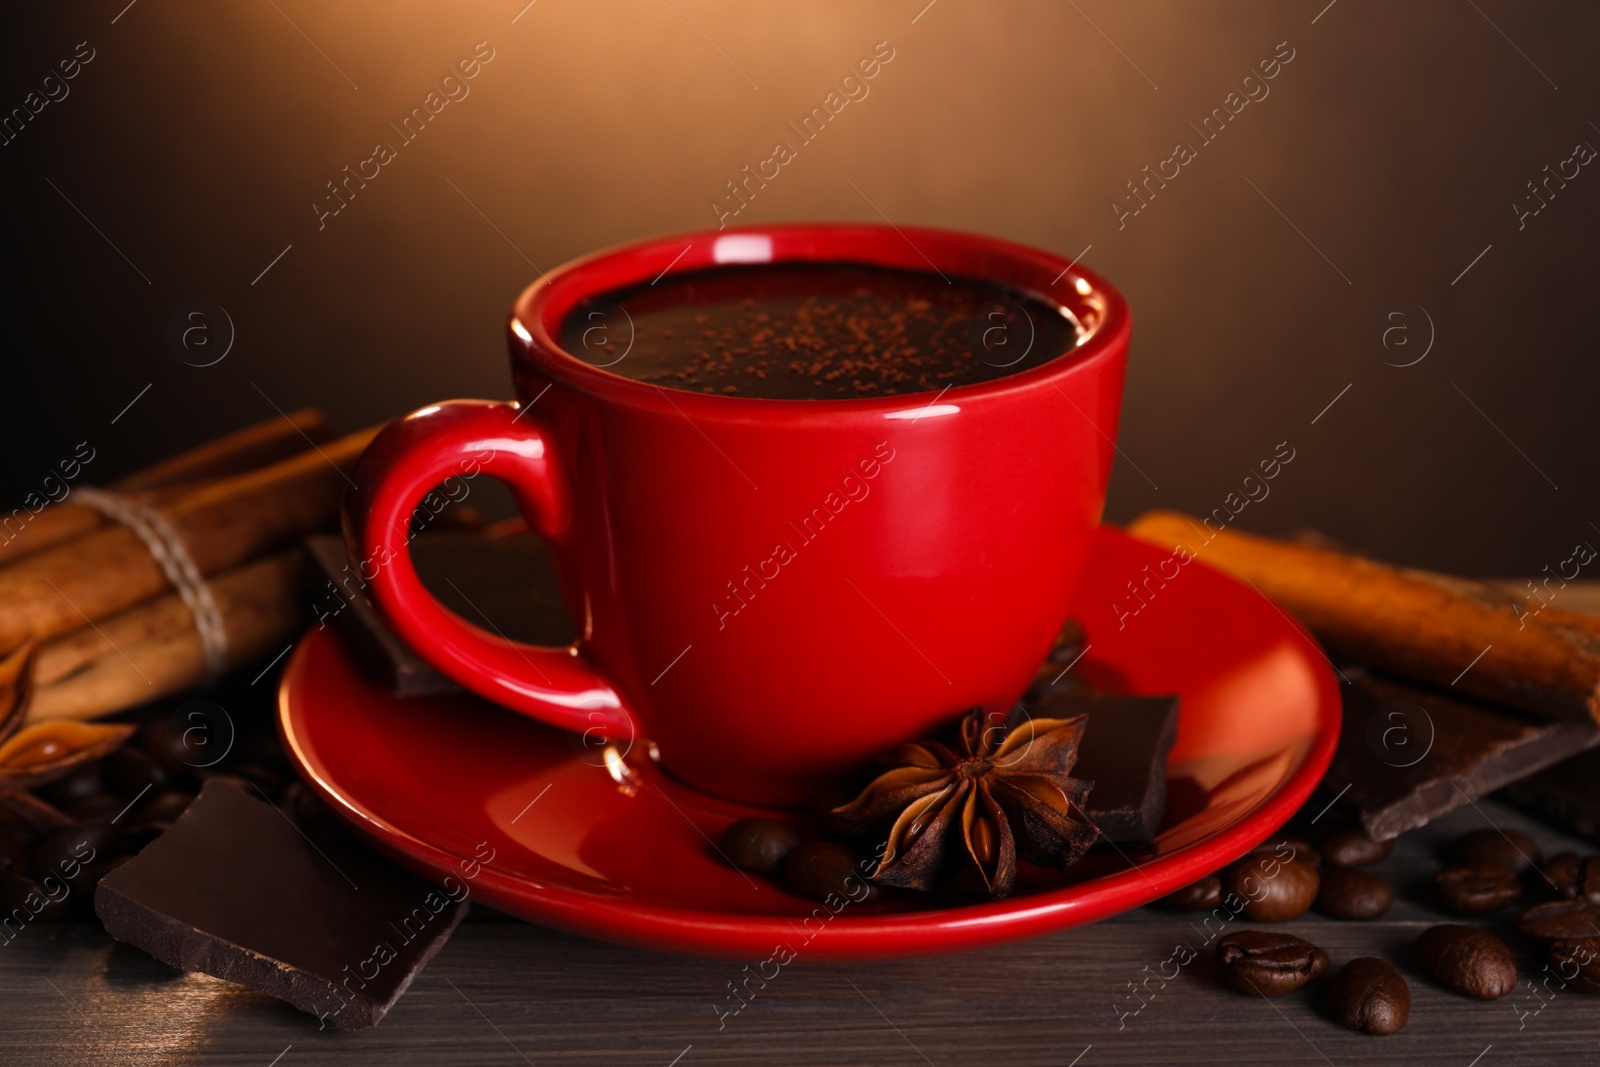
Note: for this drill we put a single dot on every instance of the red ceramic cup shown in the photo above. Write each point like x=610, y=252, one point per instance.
x=773, y=591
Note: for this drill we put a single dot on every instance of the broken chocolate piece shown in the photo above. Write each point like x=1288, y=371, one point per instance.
x=1124, y=752
x=380, y=654
x=237, y=891
x=502, y=584
x=1409, y=755
x=1566, y=794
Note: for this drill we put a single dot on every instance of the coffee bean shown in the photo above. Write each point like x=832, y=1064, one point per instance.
x=1468, y=960
x=130, y=773
x=87, y=884
x=1558, y=876
x=1588, y=882
x=26, y=899
x=759, y=845
x=1292, y=848
x=1560, y=920
x=268, y=780
x=164, y=809
x=1273, y=890
x=1196, y=896
x=97, y=807
x=17, y=833
x=175, y=742
x=1352, y=848
x=820, y=869
x=1509, y=848
x=1569, y=876
x=1369, y=994
x=65, y=851
x=1577, y=962
x=1476, y=890
x=1271, y=964
x=1349, y=893
x=132, y=841
x=301, y=804
x=13, y=857
x=75, y=785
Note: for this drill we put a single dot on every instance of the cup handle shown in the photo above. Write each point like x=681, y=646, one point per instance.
x=461, y=439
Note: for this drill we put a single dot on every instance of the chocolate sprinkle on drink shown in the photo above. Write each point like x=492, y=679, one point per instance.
x=237, y=891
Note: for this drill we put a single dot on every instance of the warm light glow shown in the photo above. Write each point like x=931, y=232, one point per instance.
x=619, y=770
x=931, y=411
x=742, y=248
x=521, y=331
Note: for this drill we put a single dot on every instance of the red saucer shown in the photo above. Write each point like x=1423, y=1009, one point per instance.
x=624, y=853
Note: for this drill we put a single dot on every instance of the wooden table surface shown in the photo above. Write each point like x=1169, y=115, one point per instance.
x=505, y=992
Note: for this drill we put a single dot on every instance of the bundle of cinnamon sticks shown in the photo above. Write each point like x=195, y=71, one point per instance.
x=91, y=623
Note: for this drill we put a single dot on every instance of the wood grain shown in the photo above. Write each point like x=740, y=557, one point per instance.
x=504, y=992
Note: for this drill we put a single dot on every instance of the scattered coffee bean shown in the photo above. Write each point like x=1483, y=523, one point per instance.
x=26, y=899
x=1273, y=890
x=1558, y=876
x=1271, y=964
x=1569, y=876
x=1559, y=920
x=1350, y=893
x=1468, y=960
x=65, y=851
x=13, y=857
x=130, y=773
x=1292, y=848
x=267, y=780
x=1196, y=896
x=164, y=809
x=98, y=807
x=132, y=841
x=81, y=902
x=75, y=785
x=1352, y=848
x=166, y=741
x=1509, y=848
x=1577, y=962
x=1476, y=890
x=759, y=845
x=820, y=869
x=1588, y=885
x=297, y=801
x=1369, y=994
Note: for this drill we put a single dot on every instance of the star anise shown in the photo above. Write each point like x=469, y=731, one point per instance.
x=999, y=795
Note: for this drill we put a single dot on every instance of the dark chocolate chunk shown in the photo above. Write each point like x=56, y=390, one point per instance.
x=381, y=655
x=237, y=891
x=503, y=584
x=1566, y=793
x=1124, y=752
x=1409, y=755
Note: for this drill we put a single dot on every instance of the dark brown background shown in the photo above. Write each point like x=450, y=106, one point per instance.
x=1397, y=141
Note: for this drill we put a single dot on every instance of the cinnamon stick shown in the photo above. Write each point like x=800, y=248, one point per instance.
x=1447, y=631
x=254, y=446
x=154, y=650
x=221, y=523
x=243, y=450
